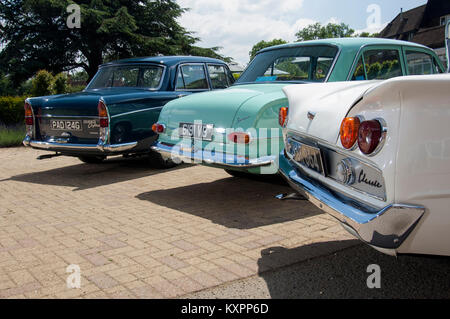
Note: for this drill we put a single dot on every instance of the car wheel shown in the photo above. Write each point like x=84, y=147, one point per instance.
x=156, y=160
x=92, y=159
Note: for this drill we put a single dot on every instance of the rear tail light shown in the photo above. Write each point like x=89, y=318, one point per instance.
x=239, y=137
x=282, y=116
x=369, y=136
x=29, y=120
x=103, y=114
x=349, y=131
x=158, y=128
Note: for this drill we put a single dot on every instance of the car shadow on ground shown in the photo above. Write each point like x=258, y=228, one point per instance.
x=85, y=176
x=239, y=203
x=343, y=274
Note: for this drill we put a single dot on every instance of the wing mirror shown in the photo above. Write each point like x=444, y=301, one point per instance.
x=447, y=44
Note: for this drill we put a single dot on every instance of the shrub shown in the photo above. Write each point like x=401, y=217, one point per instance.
x=12, y=136
x=41, y=84
x=11, y=110
x=60, y=84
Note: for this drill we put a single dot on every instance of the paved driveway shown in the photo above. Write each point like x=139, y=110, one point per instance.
x=137, y=232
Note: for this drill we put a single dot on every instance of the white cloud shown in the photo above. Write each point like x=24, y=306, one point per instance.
x=236, y=25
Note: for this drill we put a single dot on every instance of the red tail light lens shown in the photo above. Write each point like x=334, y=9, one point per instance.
x=158, y=128
x=349, y=131
x=28, y=114
x=282, y=116
x=369, y=136
x=239, y=137
x=103, y=114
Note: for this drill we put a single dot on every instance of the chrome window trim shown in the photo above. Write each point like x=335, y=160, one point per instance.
x=398, y=47
x=163, y=75
x=338, y=53
x=191, y=90
x=222, y=65
x=68, y=116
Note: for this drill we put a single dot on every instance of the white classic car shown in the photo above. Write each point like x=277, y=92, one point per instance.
x=376, y=156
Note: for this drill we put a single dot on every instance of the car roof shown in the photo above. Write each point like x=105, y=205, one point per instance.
x=355, y=43
x=166, y=60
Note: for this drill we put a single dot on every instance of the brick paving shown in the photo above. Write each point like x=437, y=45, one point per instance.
x=138, y=232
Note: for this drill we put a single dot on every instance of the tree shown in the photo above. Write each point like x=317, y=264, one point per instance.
x=36, y=36
x=264, y=44
x=41, y=84
x=368, y=35
x=331, y=30
x=59, y=85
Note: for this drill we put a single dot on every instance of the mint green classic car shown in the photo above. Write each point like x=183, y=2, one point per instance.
x=239, y=128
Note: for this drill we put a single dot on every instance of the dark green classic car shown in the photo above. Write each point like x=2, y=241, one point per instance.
x=115, y=113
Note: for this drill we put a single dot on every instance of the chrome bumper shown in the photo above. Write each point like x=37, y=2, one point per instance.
x=57, y=146
x=216, y=158
x=385, y=229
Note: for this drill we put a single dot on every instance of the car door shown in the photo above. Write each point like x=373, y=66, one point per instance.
x=378, y=63
x=219, y=76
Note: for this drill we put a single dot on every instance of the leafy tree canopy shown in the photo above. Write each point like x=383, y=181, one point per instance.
x=36, y=36
x=318, y=31
x=264, y=44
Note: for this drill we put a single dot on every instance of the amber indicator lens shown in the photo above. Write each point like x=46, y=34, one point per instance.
x=349, y=131
x=282, y=116
x=369, y=136
x=103, y=114
x=239, y=138
x=28, y=114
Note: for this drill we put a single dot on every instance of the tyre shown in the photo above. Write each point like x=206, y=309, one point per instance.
x=156, y=160
x=92, y=159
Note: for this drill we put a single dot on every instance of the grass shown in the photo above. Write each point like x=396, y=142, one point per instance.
x=12, y=136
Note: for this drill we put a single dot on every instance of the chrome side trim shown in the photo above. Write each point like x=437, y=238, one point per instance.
x=217, y=158
x=137, y=111
x=385, y=229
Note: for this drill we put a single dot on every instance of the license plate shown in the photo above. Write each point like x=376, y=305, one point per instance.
x=197, y=131
x=66, y=125
x=306, y=155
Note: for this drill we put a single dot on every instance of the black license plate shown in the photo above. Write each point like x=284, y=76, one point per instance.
x=306, y=155
x=66, y=125
x=197, y=131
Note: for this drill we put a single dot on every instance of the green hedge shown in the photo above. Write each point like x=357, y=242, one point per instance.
x=11, y=110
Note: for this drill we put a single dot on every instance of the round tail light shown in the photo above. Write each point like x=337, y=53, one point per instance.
x=349, y=131
x=158, y=128
x=369, y=136
x=282, y=116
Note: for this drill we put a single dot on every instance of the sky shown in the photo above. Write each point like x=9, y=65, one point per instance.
x=236, y=25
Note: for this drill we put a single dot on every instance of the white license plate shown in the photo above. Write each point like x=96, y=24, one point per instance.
x=306, y=155
x=66, y=125
x=197, y=131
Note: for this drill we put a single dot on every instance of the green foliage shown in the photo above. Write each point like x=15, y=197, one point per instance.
x=264, y=44
x=41, y=84
x=368, y=35
x=59, y=85
x=331, y=30
x=75, y=88
x=37, y=37
x=11, y=110
x=12, y=136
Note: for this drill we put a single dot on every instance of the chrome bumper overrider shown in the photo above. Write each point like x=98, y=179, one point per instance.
x=384, y=229
x=215, y=158
x=57, y=146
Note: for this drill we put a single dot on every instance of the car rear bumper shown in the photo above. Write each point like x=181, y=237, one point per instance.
x=70, y=147
x=385, y=229
x=211, y=158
